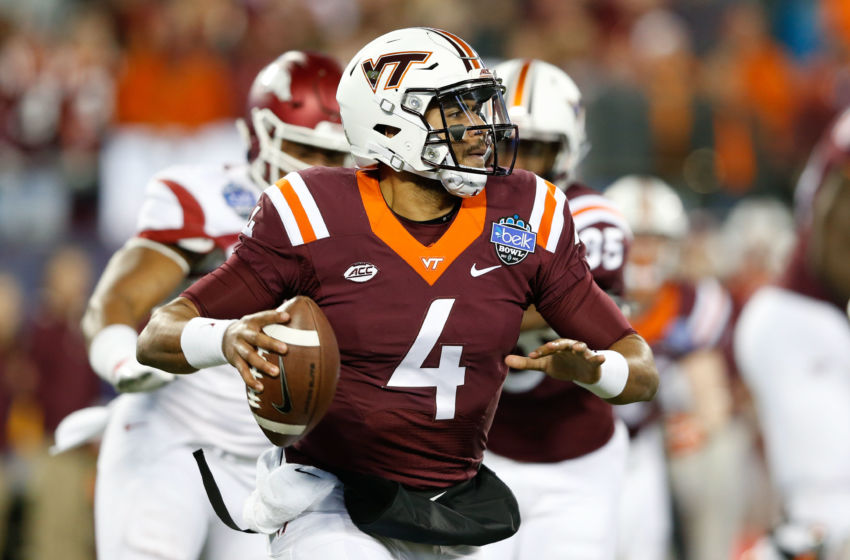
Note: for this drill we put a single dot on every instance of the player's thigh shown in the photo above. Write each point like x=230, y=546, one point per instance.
x=644, y=517
x=149, y=499
x=568, y=509
x=331, y=535
x=326, y=535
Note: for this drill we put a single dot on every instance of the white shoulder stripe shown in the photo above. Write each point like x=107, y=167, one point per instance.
x=556, y=220
x=286, y=215
x=540, y=191
x=600, y=215
x=309, y=204
x=586, y=200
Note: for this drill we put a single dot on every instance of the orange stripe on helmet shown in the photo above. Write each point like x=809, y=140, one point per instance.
x=462, y=45
x=307, y=232
x=520, y=85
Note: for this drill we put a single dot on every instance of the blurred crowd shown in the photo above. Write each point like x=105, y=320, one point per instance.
x=722, y=99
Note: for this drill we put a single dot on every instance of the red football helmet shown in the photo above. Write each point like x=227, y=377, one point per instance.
x=293, y=99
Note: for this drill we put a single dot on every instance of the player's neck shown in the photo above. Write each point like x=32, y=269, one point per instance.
x=413, y=197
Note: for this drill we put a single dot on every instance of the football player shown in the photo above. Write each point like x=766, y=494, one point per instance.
x=792, y=345
x=426, y=342
x=685, y=322
x=150, y=502
x=567, y=485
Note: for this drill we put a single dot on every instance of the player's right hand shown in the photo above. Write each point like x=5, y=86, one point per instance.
x=243, y=341
x=132, y=377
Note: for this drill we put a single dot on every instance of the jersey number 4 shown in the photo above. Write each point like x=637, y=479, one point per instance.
x=448, y=376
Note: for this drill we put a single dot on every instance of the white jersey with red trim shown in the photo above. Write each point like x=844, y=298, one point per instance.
x=199, y=208
x=202, y=209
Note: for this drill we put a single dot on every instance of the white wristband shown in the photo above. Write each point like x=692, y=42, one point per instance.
x=201, y=341
x=613, y=375
x=110, y=348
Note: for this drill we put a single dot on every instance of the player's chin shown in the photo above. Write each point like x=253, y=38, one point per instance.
x=474, y=161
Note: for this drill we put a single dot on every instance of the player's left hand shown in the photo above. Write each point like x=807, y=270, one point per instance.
x=564, y=359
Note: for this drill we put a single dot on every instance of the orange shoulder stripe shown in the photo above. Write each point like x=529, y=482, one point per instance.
x=548, y=215
x=304, y=226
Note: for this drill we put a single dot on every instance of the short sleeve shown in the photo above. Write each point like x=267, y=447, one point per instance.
x=172, y=215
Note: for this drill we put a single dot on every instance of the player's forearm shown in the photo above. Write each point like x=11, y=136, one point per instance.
x=159, y=343
x=642, y=382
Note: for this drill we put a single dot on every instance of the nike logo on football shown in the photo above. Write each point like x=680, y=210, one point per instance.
x=476, y=272
x=286, y=405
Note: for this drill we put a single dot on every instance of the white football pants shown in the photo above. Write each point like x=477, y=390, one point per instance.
x=568, y=509
x=325, y=532
x=150, y=502
x=645, y=523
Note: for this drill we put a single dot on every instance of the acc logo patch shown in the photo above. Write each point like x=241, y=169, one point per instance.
x=240, y=198
x=513, y=239
x=360, y=272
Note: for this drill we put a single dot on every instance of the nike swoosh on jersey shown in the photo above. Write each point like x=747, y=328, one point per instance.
x=438, y=496
x=476, y=272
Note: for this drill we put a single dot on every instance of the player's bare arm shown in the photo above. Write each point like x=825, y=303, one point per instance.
x=138, y=276
x=161, y=345
x=572, y=360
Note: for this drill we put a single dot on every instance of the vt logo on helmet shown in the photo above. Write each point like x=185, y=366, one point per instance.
x=419, y=100
x=400, y=61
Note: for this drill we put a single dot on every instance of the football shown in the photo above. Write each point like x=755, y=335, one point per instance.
x=291, y=405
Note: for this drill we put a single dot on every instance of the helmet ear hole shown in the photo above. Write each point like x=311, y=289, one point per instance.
x=387, y=130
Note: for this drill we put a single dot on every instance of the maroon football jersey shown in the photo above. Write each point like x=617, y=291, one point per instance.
x=543, y=420
x=422, y=329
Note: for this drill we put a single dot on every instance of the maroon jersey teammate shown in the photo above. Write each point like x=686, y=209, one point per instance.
x=554, y=443
x=426, y=331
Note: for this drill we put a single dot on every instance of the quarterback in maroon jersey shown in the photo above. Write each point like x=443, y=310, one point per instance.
x=555, y=444
x=426, y=336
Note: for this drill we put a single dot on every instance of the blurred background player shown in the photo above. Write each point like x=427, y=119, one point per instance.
x=568, y=477
x=684, y=321
x=792, y=345
x=149, y=499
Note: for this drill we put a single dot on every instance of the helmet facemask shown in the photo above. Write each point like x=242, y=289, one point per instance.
x=273, y=160
x=469, y=137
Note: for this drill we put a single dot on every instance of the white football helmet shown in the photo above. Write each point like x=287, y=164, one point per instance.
x=650, y=205
x=292, y=99
x=545, y=103
x=389, y=85
x=658, y=220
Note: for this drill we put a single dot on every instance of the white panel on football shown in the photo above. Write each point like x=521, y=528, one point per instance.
x=279, y=427
x=296, y=337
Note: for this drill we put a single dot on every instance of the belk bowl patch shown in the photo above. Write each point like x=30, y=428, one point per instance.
x=513, y=239
x=241, y=199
